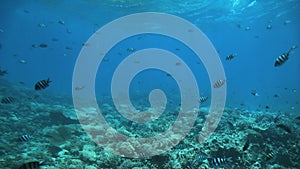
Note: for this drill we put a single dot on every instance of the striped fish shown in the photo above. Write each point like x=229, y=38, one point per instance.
x=42, y=84
x=217, y=161
x=284, y=57
x=230, y=57
x=7, y=100
x=25, y=138
x=281, y=59
x=219, y=83
x=203, y=99
x=31, y=165
x=270, y=156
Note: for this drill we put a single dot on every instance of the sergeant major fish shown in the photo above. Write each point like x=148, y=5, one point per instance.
x=7, y=100
x=203, y=99
x=218, y=161
x=219, y=83
x=269, y=156
x=32, y=165
x=230, y=57
x=284, y=57
x=25, y=138
x=42, y=84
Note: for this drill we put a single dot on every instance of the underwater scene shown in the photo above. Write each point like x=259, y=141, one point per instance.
x=141, y=84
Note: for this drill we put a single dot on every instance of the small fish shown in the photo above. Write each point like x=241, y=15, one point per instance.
x=287, y=22
x=269, y=156
x=269, y=27
x=85, y=44
x=7, y=100
x=3, y=72
x=275, y=95
x=43, y=45
x=217, y=161
x=26, y=11
x=219, y=83
x=247, y=28
x=284, y=127
x=284, y=57
x=61, y=22
x=79, y=88
x=41, y=25
x=177, y=63
x=298, y=118
x=130, y=49
x=32, y=165
x=68, y=31
x=25, y=138
x=254, y=93
x=281, y=59
x=42, y=84
x=246, y=145
x=230, y=57
x=54, y=39
x=68, y=48
x=203, y=99
x=105, y=60
x=22, y=61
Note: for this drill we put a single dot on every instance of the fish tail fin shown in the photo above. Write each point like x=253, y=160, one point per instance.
x=48, y=80
x=291, y=49
x=294, y=47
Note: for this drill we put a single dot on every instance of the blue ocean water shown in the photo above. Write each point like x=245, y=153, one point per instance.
x=256, y=31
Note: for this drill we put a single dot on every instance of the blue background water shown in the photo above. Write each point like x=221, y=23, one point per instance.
x=252, y=69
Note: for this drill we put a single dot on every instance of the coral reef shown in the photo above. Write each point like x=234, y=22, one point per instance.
x=59, y=140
